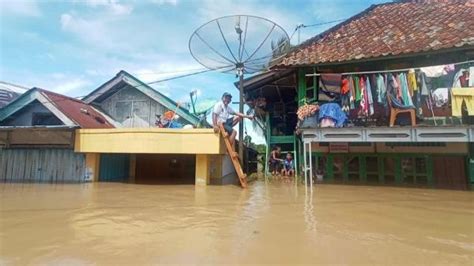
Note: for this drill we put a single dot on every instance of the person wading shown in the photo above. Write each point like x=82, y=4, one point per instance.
x=222, y=114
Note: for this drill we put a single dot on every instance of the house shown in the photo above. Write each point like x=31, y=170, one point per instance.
x=134, y=103
x=37, y=133
x=9, y=92
x=145, y=153
x=109, y=136
x=385, y=38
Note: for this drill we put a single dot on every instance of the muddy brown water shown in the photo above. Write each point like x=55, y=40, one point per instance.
x=112, y=223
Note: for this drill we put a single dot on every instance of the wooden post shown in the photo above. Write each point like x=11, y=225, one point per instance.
x=345, y=168
x=202, y=170
x=132, y=168
x=398, y=170
x=330, y=167
x=93, y=166
x=381, y=169
x=363, y=169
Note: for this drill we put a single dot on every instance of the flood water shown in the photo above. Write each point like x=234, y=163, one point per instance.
x=112, y=223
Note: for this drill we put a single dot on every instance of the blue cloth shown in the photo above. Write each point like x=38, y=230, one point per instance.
x=333, y=111
x=175, y=124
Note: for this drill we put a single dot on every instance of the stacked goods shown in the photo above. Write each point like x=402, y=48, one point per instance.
x=307, y=110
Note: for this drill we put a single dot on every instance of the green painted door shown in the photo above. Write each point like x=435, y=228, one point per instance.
x=114, y=167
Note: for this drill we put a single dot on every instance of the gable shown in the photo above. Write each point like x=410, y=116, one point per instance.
x=124, y=80
x=32, y=114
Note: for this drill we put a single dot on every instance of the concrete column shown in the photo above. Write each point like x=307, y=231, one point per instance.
x=93, y=166
x=202, y=170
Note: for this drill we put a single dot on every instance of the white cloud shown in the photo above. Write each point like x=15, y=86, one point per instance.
x=164, y=2
x=112, y=5
x=20, y=7
x=212, y=9
x=70, y=86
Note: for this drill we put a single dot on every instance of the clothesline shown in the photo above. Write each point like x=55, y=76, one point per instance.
x=383, y=71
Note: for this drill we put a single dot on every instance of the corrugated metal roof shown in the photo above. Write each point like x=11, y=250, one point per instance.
x=9, y=92
x=78, y=111
x=391, y=29
x=7, y=86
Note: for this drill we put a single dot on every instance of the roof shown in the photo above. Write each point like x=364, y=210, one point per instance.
x=391, y=29
x=264, y=78
x=72, y=112
x=116, y=83
x=9, y=92
x=7, y=86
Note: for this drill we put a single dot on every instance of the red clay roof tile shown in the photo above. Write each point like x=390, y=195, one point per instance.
x=391, y=29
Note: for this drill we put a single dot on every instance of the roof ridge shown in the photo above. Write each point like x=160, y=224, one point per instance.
x=60, y=95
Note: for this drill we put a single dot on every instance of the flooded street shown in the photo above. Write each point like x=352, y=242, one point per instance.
x=114, y=223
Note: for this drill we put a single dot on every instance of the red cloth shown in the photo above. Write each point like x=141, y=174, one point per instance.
x=345, y=86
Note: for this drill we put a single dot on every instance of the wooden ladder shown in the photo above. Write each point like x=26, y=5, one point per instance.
x=234, y=157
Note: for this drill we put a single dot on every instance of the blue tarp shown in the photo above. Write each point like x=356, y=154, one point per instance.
x=333, y=111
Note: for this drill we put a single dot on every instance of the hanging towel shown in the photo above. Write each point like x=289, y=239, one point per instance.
x=351, y=93
x=370, y=100
x=357, y=89
x=381, y=90
x=422, y=83
x=363, y=96
x=406, y=97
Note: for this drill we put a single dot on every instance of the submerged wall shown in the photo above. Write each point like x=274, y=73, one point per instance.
x=42, y=165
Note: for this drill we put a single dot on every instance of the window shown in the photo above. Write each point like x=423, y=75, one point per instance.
x=44, y=119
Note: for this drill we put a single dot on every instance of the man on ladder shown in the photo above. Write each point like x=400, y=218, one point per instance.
x=221, y=114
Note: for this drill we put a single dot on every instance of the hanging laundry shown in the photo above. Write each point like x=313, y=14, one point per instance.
x=381, y=90
x=440, y=96
x=331, y=84
x=464, y=78
x=420, y=78
x=344, y=86
x=363, y=96
x=370, y=100
x=412, y=81
x=436, y=71
x=345, y=95
x=396, y=82
x=351, y=93
x=471, y=76
x=460, y=95
x=406, y=97
x=357, y=89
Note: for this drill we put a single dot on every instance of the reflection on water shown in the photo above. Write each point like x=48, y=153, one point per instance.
x=271, y=222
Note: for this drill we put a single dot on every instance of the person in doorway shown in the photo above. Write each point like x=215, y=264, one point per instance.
x=288, y=166
x=275, y=160
x=222, y=114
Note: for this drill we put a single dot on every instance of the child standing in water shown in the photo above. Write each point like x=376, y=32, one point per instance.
x=288, y=166
x=275, y=160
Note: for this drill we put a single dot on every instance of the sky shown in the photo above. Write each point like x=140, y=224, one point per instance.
x=72, y=47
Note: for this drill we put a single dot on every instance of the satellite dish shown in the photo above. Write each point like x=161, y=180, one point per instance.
x=239, y=45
